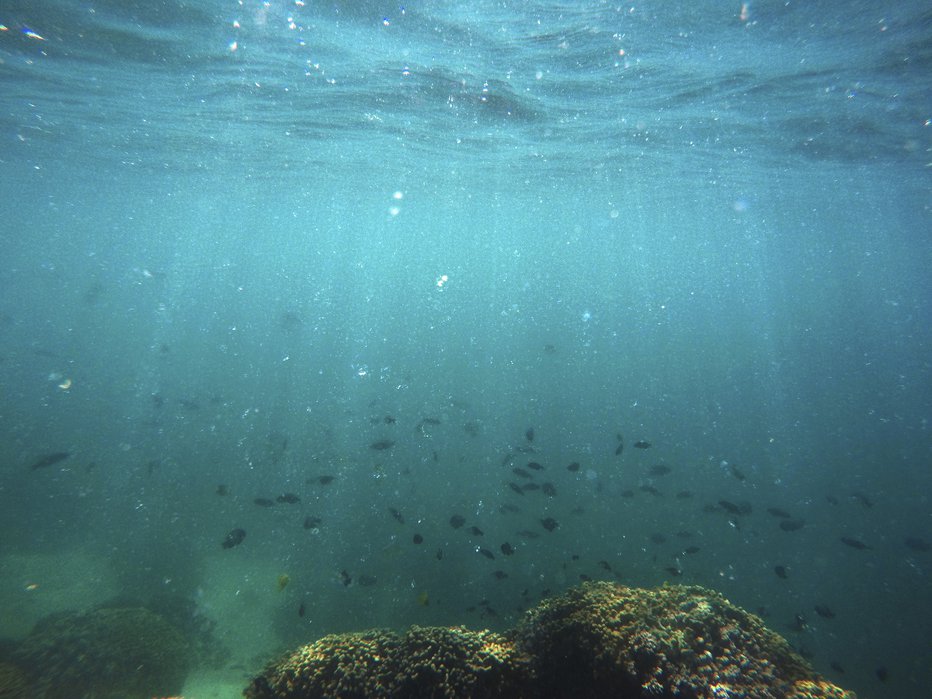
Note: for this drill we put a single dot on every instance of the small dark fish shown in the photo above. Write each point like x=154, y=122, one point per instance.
x=573, y=467
x=325, y=480
x=642, y=444
x=521, y=472
x=777, y=512
x=526, y=449
x=674, y=571
x=824, y=611
x=863, y=499
x=831, y=499
x=50, y=459
x=397, y=515
x=515, y=487
x=604, y=565
x=549, y=523
x=222, y=490
x=916, y=544
x=457, y=521
x=418, y=539
x=684, y=495
x=439, y=554
x=585, y=578
x=882, y=674
x=627, y=493
x=792, y=525
x=234, y=538
x=510, y=508
x=289, y=498
x=691, y=550
x=264, y=502
x=737, y=472
x=781, y=572
x=488, y=554
x=507, y=549
x=475, y=531
x=550, y=349
x=620, y=448
x=528, y=534
x=382, y=444
x=836, y=666
x=530, y=486
x=345, y=578
x=388, y=420
x=854, y=543
x=301, y=610
x=311, y=522
x=508, y=458
x=659, y=470
x=549, y=489
x=529, y=434
x=534, y=466
x=730, y=507
x=649, y=489
x=500, y=574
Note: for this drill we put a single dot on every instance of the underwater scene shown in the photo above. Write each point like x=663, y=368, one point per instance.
x=446, y=349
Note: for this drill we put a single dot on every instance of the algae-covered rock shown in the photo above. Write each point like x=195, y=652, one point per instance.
x=456, y=662
x=13, y=683
x=105, y=654
x=610, y=640
x=425, y=662
x=346, y=665
x=818, y=689
x=599, y=640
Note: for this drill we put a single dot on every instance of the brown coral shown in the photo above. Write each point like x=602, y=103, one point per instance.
x=425, y=662
x=456, y=662
x=598, y=640
x=808, y=689
x=670, y=641
x=346, y=665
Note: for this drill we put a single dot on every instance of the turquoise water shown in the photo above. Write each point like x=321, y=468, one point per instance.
x=242, y=242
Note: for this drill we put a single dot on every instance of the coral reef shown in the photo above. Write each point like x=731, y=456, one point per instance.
x=424, y=663
x=125, y=653
x=597, y=640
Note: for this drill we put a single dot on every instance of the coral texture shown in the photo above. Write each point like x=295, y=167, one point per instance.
x=598, y=640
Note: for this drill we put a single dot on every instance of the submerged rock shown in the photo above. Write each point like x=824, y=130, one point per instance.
x=597, y=640
x=424, y=662
x=604, y=640
x=13, y=683
x=123, y=653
